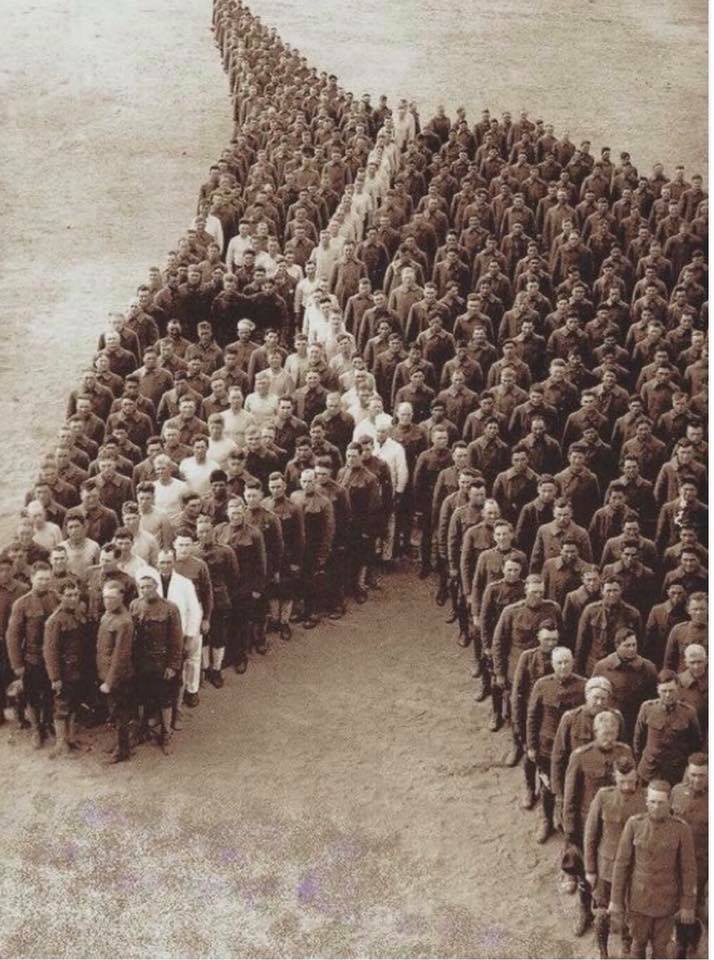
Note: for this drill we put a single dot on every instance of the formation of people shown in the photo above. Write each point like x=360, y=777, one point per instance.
x=476, y=346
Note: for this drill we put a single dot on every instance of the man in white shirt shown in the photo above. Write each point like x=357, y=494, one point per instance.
x=197, y=470
x=236, y=419
x=238, y=246
x=262, y=404
x=219, y=445
x=45, y=533
x=82, y=553
x=304, y=290
x=168, y=490
x=144, y=545
x=393, y=454
x=129, y=562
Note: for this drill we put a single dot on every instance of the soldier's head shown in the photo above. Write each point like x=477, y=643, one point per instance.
x=697, y=774
x=112, y=596
x=606, y=726
x=148, y=588
x=184, y=543
x=695, y=659
x=598, y=691
x=535, y=588
x=668, y=687
x=625, y=775
x=698, y=607
x=626, y=644
x=560, y=657
x=108, y=557
x=657, y=799
x=165, y=562
x=41, y=577
x=611, y=591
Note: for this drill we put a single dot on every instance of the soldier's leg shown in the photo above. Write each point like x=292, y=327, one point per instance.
x=192, y=670
x=242, y=628
x=426, y=541
x=547, y=802
x=516, y=751
x=310, y=589
x=217, y=646
x=601, y=918
x=120, y=709
x=34, y=682
x=260, y=611
x=166, y=693
x=529, y=790
x=585, y=913
x=61, y=718
x=496, y=721
x=442, y=571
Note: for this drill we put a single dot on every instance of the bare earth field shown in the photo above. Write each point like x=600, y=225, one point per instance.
x=344, y=797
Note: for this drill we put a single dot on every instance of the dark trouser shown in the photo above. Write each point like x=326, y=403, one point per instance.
x=404, y=522
x=38, y=694
x=360, y=552
x=654, y=930
x=218, y=628
x=67, y=700
x=584, y=888
x=336, y=577
x=120, y=704
x=427, y=533
x=154, y=693
x=243, y=622
x=89, y=697
x=313, y=587
x=541, y=769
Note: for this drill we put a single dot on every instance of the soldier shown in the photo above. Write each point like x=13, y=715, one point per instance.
x=550, y=697
x=292, y=525
x=62, y=652
x=362, y=489
x=193, y=568
x=11, y=589
x=654, y=874
x=610, y=810
x=319, y=520
x=633, y=678
x=690, y=801
x=249, y=548
x=115, y=667
x=428, y=466
x=220, y=559
x=666, y=732
x=496, y=598
x=25, y=636
x=158, y=652
x=516, y=632
x=589, y=768
x=263, y=519
x=599, y=623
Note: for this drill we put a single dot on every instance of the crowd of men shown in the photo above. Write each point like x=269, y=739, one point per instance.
x=479, y=346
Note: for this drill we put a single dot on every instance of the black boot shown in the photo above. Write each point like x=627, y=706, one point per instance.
x=584, y=917
x=601, y=924
x=545, y=829
x=529, y=791
x=483, y=690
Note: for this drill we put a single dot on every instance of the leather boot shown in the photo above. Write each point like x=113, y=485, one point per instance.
x=483, y=690
x=514, y=754
x=601, y=924
x=61, y=747
x=166, y=741
x=496, y=720
x=584, y=917
x=528, y=799
x=547, y=801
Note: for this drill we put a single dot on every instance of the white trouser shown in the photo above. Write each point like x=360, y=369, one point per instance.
x=192, y=663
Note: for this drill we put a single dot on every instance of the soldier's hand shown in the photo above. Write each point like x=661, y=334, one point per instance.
x=56, y=686
x=103, y=688
x=294, y=568
x=453, y=573
x=616, y=917
x=531, y=754
x=591, y=879
x=686, y=916
x=169, y=674
x=19, y=673
x=205, y=626
x=500, y=680
x=255, y=595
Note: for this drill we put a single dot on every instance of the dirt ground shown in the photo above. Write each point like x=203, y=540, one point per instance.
x=344, y=797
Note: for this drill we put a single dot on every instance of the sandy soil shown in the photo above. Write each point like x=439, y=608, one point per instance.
x=343, y=798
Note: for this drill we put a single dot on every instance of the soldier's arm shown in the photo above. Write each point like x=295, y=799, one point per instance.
x=593, y=832
x=467, y=564
x=538, y=554
x=582, y=643
x=671, y=653
x=50, y=649
x=559, y=757
x=501, y=645
x=329, y=534
x=205, y=592
x=570, y=798
x=687, y=869
x=639, y=738
x=14, y=638
x=621, y=868
x=175, y=640
x=533, y=718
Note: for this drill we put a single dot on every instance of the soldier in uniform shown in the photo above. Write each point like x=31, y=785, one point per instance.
x=158, y=656
x=319, y=520
x=249, y=547
x=292, y=527
x=611, y=808
x=515, y=632
x=654, y=874
x=551, y=696
x=263, y=519
x=666, y=732
x=690, y=801
x=25, y=636
x=223, y=572
x=497, y=596
x=11, y=589
x=62, y=652
x=362, y=489
x=115, y=666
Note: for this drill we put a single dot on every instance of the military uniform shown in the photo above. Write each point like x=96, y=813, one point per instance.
x=655, y=875
x=664, y=738
x=25, y=637
x=115, y=668
x=158, y=646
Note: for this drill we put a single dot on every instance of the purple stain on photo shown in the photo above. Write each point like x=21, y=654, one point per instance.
x=95, y=815
x=229, y=855
x=308, y=888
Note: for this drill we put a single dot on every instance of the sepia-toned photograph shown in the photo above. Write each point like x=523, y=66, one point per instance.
x=354, y=507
